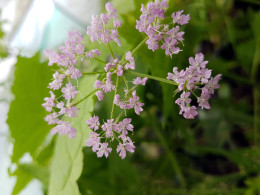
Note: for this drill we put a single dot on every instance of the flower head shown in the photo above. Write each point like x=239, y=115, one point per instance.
x=196, y=77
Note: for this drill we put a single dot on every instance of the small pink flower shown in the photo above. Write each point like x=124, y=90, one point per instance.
x=104, y=150
x=139, y=81
x=117, y=23
x=91, y=53
x=120, y=71
x=179, y=18
x=93, y=122
x=198, y=61
x=69, y=91
x=49, y=102
x=125, y=126
x=135, y=104
x=64, y=128
x=100, y=95
x=93, y=141
x=111, y=10
x=190, y=112
x=72, y=111
x=74, y=73
x=131, y=61
x=203, y=101
x=52, y=118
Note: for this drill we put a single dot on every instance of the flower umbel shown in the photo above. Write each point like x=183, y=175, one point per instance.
x=194, y=79
x=115, y=74
x=152, y=23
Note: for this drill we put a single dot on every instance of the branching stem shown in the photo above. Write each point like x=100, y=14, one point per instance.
x=140, y=45
x=87, y=96
x=111, y=51
x=151, y=77
x=97, y=59
x=90, y=73
x=113, y=106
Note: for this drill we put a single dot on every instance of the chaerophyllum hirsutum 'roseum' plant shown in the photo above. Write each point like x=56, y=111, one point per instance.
x=195, y=80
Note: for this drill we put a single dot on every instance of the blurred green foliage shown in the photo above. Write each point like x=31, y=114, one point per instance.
x=3, y=46
x=217, y=153
x=25, y=117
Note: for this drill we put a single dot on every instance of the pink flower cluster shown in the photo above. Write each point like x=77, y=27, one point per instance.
x=64, y=79
x=66, y=60
x=113, y=68
x=110, y=130
x=195, y=77
x=130, y=101
x=99, y=31
x=151, y=23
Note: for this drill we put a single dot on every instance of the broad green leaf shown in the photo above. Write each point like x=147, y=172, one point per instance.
x=26, y=172
x=38, y=170
x=22, y=180
x=25, y=117
x=46, y=153
x=120, y=5
x=67, y=162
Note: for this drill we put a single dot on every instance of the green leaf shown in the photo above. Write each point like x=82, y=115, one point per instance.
x=120, y=5
x=46, y=153
x=22, y=180
x=26, y=172
x=25, y=117
x=67, y=162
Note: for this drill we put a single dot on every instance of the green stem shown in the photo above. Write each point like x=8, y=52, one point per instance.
x=102, y=133
x=90, y=73
x=116, y=136
x=87, y=96
x=111, y=51
x=256, y=93
x=140, y=45
x=151, y=77
x=255, y=61
x=123, y=61
x=103, y=62
x=172, y=157
x=175, y=92
x=169, y=153
x=126, y=84
x=117, y=119
x=194, y=94
x=113, y=106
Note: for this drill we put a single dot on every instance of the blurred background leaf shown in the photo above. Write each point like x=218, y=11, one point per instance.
x=25, y=117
